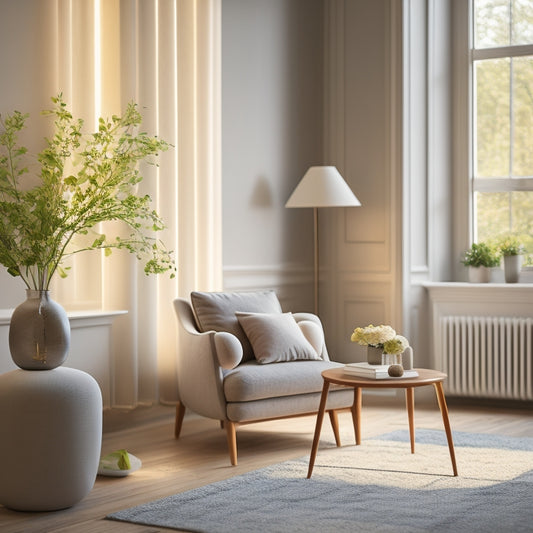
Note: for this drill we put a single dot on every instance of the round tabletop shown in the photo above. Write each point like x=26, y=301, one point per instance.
x=425, y=377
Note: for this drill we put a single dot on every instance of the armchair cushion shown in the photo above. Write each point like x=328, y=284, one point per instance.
x=252, y=381
x=215, y=311
x=276, y=337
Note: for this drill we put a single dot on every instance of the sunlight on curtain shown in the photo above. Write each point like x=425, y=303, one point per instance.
x=164, y=55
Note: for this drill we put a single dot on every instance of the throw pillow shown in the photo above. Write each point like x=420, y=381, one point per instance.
x=276, y=337
x=215, y=311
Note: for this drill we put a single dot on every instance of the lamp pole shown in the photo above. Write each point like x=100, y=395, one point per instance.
x=315, y=226
x=321, y=186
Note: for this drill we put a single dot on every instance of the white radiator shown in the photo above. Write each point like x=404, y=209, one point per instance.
x=489, y=357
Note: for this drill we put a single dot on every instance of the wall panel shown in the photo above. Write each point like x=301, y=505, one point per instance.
x=361, y=273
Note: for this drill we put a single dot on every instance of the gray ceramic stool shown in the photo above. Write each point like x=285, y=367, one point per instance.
x=51, y=423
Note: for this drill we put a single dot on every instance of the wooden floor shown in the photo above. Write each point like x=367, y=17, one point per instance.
x=200, y=455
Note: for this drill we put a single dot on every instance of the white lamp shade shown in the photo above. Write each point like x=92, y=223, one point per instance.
x=322, y=186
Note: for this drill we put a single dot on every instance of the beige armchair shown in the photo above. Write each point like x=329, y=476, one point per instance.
x=242, y=360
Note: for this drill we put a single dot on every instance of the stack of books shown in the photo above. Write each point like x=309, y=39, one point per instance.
x=366, y=370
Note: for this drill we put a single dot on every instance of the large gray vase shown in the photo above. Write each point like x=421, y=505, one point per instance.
x=39, y=332
x=512, y=265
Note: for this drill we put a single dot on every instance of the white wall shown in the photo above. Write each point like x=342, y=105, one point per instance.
x=389, y=130
x=26, y=84
x=272, y=131
x=274, y=88
x=48, y=46
x=309, y=82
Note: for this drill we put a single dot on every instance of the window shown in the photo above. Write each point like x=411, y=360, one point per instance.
x=501, y=62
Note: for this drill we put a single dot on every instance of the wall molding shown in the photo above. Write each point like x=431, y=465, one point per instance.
x=242, y=277
x=291, y=283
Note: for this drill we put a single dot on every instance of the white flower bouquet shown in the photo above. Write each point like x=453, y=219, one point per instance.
x=382, y=337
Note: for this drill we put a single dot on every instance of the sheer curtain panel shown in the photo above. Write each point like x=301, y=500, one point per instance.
x=164, y=55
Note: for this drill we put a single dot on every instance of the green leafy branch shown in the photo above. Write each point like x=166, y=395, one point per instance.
x=85, y=180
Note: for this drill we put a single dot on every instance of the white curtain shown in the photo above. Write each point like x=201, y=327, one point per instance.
x=164, y=55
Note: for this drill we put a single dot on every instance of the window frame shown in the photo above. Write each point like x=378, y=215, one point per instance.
x=488, y=184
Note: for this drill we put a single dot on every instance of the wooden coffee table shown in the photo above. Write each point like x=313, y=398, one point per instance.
x=425, y=377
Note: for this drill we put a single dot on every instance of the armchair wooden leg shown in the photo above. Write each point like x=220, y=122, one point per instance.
x=335, y=425
x=231, y=436
x=180, y=413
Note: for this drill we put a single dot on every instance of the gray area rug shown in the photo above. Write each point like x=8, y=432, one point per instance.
x=378, y=486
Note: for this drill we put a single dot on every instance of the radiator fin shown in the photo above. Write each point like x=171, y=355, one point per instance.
x=487, y=356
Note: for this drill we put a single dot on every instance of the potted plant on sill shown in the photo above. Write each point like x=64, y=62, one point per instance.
x=83, y=179
x=512, y=251
x=479, y=259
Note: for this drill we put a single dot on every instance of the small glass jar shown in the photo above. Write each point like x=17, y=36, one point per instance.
x=391, y=359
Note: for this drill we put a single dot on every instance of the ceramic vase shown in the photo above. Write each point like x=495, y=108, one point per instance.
x=512, y=265
x=374, y=355
x=39, y=332
x=478, y=274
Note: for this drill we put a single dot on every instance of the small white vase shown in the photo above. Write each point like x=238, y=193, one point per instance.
x=478, y=274
x=512, y=264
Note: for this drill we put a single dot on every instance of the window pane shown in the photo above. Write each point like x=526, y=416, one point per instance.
x=492, y=23
x=492, y=214
x=502, y=135
x=522, y=220
x=501, y=213
x=522, y=212
x=523, y=116
x=522, y=23
x=492, y=133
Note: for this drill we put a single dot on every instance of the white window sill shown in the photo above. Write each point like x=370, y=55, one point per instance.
x=482, y=293
x=91, y=348
x=77, y=318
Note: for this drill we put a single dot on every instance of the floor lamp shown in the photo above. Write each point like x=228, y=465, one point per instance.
x=321, y=187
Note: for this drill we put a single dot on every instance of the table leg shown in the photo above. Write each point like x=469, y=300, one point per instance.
x=318, y=427
x=410, y=401
x=444, y=410
x=356, y=413
x=334, y=419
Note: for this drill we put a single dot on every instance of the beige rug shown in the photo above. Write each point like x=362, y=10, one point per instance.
x=391, y=464
x=378, y=486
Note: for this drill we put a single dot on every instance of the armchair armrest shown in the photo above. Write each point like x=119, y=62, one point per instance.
x=229, y=350
x=313, y=331
x=199, y=373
